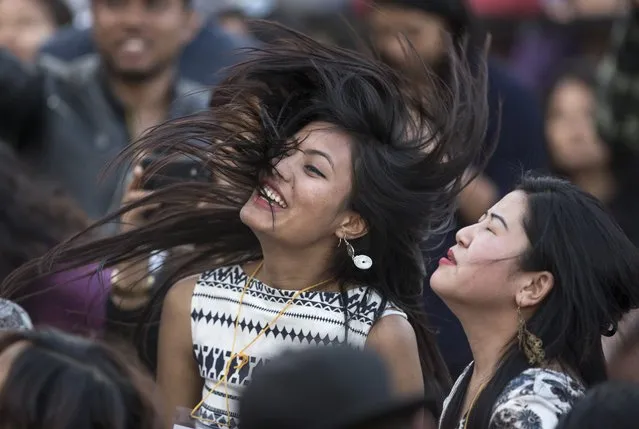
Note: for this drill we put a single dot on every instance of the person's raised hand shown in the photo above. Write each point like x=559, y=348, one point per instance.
x=135, y=217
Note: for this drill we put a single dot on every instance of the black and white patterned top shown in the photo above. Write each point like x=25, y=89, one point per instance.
x=535, y=399
x=314, y=319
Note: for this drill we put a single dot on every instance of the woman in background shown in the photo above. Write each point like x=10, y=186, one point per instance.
x=578, y=153
x=535, y=283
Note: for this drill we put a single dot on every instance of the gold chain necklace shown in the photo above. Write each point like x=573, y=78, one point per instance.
x=472, y=404
x=244, y=358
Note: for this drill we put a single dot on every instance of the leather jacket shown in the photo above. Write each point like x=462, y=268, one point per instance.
x=62, y=118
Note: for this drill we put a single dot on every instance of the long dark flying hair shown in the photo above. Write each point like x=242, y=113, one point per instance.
x=63, y=382
x=596, y=270
x=410, y=152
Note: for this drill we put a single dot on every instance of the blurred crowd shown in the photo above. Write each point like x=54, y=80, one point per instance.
x=82, y=80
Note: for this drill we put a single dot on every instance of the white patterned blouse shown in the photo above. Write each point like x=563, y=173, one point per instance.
x=313, y=319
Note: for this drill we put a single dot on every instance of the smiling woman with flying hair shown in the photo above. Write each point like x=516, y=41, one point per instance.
x=328, y=173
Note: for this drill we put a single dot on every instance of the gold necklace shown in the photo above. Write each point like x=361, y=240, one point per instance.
x=244, y=358
x=472, y=403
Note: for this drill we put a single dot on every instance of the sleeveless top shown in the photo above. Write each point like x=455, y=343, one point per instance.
x=314, y=319
x=535, y=399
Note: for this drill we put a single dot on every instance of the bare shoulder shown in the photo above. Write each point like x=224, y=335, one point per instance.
x=178, y=298
x=394, y=339
x=392, y=332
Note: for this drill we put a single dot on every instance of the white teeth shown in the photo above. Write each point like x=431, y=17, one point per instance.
x=273, y=196
x=133, y=46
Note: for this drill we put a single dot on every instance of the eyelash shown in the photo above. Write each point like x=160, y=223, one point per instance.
x=312, y=169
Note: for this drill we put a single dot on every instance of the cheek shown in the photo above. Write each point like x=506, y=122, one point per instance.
x=319, y=200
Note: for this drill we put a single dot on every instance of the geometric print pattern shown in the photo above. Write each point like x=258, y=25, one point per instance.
x=315, y=319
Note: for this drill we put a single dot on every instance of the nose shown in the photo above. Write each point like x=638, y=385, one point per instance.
x=134, y=14
x=464, y=236
x=285, y=166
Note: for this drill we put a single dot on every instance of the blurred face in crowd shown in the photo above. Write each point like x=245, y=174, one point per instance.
x=571, y=132
x=393, y=27
x=24, y=26
x=482, y=270
x=139, y=39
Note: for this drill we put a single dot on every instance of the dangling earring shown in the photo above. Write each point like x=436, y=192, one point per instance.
x=529, y=343
x=363, y=262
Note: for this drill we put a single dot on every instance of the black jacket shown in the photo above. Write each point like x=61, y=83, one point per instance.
x=62, y=118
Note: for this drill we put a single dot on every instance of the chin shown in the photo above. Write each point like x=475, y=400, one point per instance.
x=257, y=220
x=441, y=283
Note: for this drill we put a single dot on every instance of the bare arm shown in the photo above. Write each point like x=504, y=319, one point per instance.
x=393, y=338
x=178, y=376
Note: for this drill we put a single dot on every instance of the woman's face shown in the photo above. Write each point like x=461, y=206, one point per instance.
x=571, y=132
x=482, y=270
x=24, y=26
x=308, y=200
x=391, y=25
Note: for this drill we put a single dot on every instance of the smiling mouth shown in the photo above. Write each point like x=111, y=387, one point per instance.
x=271, y=196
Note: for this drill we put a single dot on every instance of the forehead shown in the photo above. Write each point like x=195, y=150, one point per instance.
x=390, y=15
x=327, y=138
x=512, y=207
x=570, y=90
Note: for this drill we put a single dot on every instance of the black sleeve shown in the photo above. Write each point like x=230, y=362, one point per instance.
x=21, y=97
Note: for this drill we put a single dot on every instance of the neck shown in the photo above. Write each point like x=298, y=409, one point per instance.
x=599, y=182
x=488, y=337
x=294, y=270
x=148, y=94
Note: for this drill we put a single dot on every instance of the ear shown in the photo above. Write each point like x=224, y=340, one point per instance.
x=193, y=24
x=537, y=288
x=353, y=226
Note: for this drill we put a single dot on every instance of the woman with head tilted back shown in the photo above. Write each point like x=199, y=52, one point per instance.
x=327, y=178
x=535, y=283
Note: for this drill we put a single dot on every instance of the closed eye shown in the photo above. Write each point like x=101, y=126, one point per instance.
x=314, y=170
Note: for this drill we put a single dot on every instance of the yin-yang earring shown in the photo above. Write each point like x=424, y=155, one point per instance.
x=363, y=262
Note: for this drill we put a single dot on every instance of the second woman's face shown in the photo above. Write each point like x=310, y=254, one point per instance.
x=307, y=203
x=482, y=269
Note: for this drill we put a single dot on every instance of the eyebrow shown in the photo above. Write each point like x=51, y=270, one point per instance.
x=499, y=218
x=322, y=154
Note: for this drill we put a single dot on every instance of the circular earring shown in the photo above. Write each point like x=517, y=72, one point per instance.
x=363, y=262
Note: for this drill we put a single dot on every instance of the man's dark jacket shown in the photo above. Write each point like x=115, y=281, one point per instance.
x=63, y=119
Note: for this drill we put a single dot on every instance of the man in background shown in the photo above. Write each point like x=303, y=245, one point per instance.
x=210, y=50
x=70, y=120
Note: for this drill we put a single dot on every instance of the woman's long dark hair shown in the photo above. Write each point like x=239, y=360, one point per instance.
x=409, y=155
x=595, y=269
x=63, y=382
